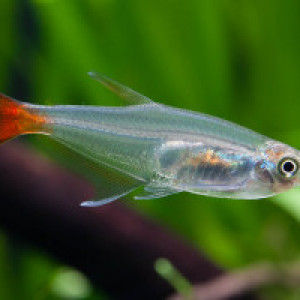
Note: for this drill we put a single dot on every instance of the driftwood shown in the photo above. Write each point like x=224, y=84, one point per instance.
x=114, y=246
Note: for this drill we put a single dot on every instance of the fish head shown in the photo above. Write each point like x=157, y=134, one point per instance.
x=278, y=168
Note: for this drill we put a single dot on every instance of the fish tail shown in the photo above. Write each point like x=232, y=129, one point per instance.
x=18, y=118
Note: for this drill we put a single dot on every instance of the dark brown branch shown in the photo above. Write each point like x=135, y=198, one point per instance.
x=112, y=245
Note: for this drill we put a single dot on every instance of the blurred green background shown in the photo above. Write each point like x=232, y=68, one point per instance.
x=238, y=60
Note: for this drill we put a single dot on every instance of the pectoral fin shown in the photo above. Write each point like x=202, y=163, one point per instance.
x=151, y=192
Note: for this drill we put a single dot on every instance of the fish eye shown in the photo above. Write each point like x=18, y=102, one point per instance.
x=288, y=167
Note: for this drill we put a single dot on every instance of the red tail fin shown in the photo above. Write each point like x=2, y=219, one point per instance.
x=17, y=118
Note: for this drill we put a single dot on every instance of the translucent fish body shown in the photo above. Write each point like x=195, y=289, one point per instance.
x=168, y=150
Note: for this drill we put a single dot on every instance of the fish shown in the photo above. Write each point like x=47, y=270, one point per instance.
x=160, y=149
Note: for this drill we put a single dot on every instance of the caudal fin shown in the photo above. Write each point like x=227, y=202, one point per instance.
x=18, y=118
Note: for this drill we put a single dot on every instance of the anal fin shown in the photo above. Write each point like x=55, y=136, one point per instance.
x=95, y=203
x=110, y=184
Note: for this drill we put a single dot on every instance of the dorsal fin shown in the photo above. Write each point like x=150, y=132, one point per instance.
x=121, y=90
